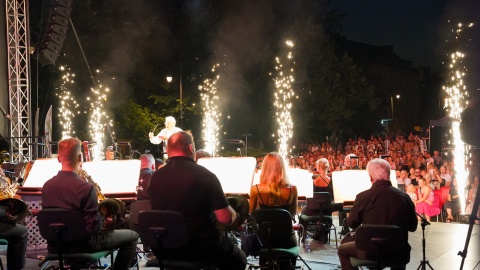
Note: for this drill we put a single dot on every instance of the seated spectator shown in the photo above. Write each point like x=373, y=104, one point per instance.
x=472, y=194
x=453, y=203
x=412, y=192
x=447, y=178
x=274, y=189
x=425, y=205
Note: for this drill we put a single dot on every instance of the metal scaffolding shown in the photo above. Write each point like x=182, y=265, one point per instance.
x=18, y=80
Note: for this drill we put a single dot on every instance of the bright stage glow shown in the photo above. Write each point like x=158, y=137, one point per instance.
x=209, y=97
x=98, y=121
x=283, y=95
x=68, y=104
x=455, y=103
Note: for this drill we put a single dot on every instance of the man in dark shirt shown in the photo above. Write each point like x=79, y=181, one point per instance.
x=67, y=190
x=183, y=186
x=382, y=204
x=147, y=168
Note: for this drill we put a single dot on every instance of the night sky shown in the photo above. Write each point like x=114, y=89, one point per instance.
x=416, y=29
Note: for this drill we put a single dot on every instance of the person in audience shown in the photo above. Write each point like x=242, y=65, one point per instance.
x=274, y=189
x=186, y=187
x=147, y=168
x=426, y=199
x=403, y=181
x=416, y=176
x=67, y=190
x=472, y=194
x=452, y=205
x=428, y=158
x=412, y=192
x=444, y=176
x=382, y=204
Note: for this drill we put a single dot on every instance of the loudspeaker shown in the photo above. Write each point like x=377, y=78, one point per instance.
x=55, y=32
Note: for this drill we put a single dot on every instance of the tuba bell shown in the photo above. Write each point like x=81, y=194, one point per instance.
x=15, y=210
x=112, y=210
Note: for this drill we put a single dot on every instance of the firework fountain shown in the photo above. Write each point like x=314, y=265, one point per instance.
x=98, y=120
x=455, y=103
x=68, y=104
x=209, y=97
x=284, y=95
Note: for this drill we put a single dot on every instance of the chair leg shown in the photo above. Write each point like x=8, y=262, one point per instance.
x=304, y=262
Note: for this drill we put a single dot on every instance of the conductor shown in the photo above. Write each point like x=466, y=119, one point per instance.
x=164, y=134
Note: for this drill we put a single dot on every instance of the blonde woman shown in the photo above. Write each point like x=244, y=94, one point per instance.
x=274, y=189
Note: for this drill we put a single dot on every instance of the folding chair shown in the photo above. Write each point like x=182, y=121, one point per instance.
x=319, y=222
x=162, y=230
x=276, y=233
x=383, y=244
x=64, y=230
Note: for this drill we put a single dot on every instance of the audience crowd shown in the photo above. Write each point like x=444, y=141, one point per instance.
x=412, y=161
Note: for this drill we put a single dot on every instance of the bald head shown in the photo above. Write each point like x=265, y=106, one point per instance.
x=180, y=144
x=379, y=170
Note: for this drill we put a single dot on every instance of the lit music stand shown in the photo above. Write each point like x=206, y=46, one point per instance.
x=116, y=178
x=348, y=183
x=234, y=173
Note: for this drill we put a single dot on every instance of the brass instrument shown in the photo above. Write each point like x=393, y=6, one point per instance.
x=113, y=210
x=7, y=188
x=85, y=176
x=16, y=209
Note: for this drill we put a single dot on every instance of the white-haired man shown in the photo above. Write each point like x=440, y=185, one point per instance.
x=164, y=134
x=351, y=162
x=382, y=204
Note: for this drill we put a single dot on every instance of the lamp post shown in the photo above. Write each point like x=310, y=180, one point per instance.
x=169, y=80
x=391, y=105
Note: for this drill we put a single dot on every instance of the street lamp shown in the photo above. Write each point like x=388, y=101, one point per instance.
x=169, y=80
x=391, y=105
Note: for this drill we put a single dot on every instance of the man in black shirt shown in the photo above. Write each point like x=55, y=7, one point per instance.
x=382, y=204
x=183, y=186
x=67, y=190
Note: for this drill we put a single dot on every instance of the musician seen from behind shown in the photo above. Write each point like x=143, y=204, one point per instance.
x=382, y=204
x=17, y=237
x=274, y=189
x=110, y=153
x=183, y=186
x=165, y=133
x=67, y=190
x=147, y=168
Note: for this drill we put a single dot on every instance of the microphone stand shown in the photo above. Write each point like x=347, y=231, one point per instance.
x=423, y=262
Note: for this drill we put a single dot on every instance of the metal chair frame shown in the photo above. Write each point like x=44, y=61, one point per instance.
x=63, y=226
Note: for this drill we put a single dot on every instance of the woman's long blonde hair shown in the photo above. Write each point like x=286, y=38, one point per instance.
x=274, y=174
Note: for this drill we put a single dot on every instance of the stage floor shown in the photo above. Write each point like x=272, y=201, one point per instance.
x=443, y=242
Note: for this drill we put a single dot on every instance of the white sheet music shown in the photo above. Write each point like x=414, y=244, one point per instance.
x=113, y=176
x=347, y=184
x=235, y=173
